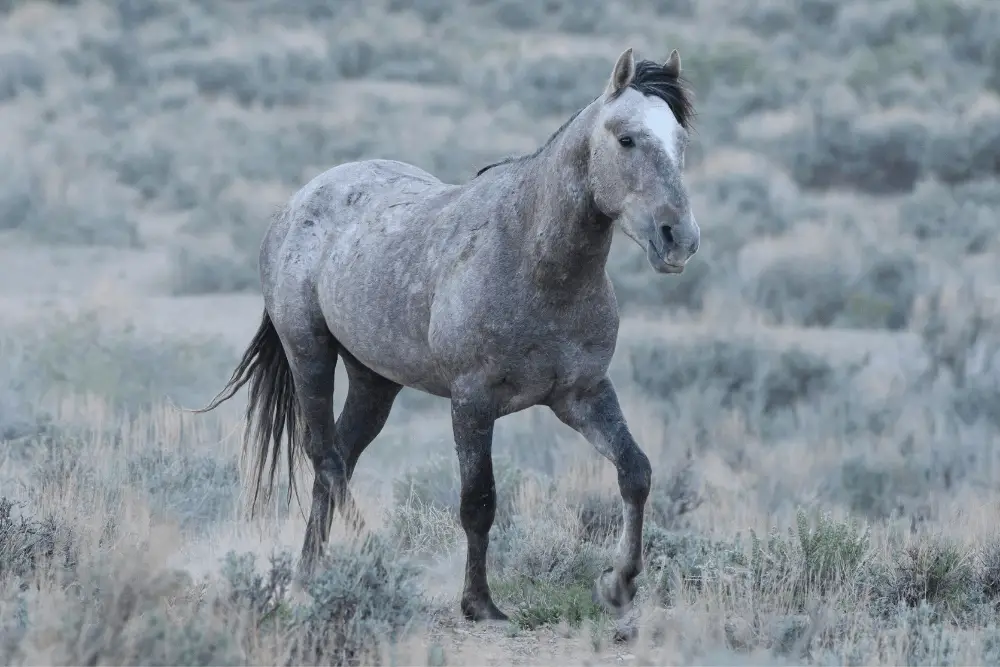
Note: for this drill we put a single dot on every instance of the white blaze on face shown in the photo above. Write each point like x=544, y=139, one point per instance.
x=662, y=124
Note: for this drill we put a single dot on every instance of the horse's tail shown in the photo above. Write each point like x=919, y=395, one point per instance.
x=271, y=410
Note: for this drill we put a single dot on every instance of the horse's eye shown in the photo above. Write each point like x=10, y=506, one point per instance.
x=627, y=142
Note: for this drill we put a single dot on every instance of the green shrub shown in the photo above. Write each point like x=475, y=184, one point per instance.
x=880, y=490
x=679, y=562
x=762, y=383
x=725, y=65
x=924, y=639
x=556, y=86
x=545, y=572
x=936, y=571
x=968, y=150
x=532, y=604
x=426, y=531
x=767, y=18
x=832, y=551
x=431, y=11
x=57, y=218
x=829, y=556
x=635, y=291
x=581, y=17
x=264, y=79
x=361, y=597
x=548, y=549
x=264, y=596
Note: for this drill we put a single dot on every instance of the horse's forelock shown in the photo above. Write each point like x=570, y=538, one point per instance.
x=653, y=79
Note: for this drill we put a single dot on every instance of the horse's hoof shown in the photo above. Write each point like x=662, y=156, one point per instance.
x=626, y=628
x=613, y=595
x=482, y=610
x=625, y=633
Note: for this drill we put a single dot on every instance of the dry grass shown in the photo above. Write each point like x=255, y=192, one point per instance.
x=97, y=566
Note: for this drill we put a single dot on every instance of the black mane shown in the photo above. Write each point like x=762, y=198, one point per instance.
x=651, y=79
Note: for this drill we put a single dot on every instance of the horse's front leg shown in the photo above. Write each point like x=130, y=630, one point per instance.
x=473, y=428
x=595, y=413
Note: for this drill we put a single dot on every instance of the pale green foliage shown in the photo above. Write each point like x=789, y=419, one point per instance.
x=810, y=559
x=934, y=570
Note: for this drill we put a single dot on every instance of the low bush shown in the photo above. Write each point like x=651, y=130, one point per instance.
x=64, y=217
x=193, y=487
x=968, y=150
x=878, y=154
x=682, y=563
x=931, y=570
x=810, y=560
x=764, y=385
x=806, y=290
x=31, y=548
x=20, y=73
x=955, y=218
x=362, y=597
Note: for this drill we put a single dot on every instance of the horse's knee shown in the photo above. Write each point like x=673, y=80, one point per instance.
x=472, y=422
x=635, y=476
x=478, y=504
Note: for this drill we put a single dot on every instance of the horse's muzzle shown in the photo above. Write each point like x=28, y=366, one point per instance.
x=663, y=264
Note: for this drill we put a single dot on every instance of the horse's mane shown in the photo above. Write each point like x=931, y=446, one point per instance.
x=650, y=79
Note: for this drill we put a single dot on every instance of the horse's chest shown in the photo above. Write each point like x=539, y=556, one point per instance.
x=519, y=352
x=530, y=373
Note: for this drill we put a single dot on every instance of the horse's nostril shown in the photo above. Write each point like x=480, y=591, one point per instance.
x=668, y=236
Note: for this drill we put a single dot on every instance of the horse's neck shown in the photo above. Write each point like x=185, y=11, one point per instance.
x=565, y=238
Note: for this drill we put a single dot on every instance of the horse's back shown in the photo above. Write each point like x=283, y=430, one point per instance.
x=353, y=185
x=357, y=249
x=337, y=202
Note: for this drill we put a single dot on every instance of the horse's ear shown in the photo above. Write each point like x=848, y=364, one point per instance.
x=673, y=64
x=622, y=74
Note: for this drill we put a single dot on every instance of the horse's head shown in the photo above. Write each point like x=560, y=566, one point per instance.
x=637, y=159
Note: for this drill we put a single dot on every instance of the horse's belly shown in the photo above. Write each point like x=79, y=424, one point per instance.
x=403, y=363
x=386, y=333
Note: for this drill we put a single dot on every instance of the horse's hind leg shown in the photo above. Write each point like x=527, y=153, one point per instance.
x=366, y=409
x=334, y=447
x=313, y=360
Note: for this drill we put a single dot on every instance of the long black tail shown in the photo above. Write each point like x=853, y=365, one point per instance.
x=271, y=410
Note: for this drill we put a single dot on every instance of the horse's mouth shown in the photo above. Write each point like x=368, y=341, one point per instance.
x=659, y=264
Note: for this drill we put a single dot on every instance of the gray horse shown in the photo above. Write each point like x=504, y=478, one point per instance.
x=492, y=293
